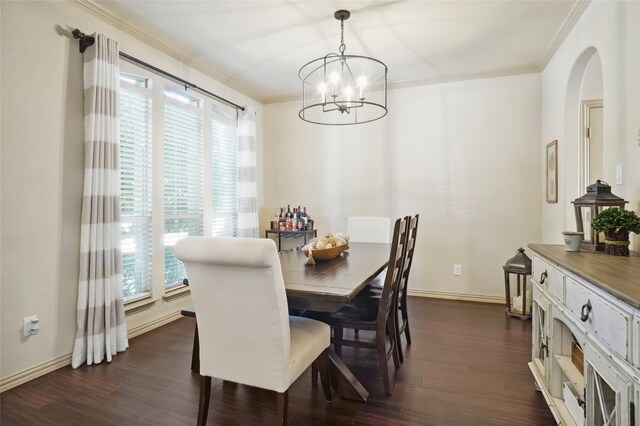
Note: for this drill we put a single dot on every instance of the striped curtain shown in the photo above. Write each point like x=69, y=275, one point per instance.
x=247, y=189
x=100, y=317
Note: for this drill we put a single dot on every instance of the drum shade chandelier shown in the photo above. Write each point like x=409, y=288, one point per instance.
x=341, y=90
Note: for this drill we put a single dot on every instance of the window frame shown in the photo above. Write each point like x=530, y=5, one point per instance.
x=157, y=86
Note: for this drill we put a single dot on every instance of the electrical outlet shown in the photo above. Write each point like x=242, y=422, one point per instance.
x=618, y=174
x=31, y=326
x=457, y=269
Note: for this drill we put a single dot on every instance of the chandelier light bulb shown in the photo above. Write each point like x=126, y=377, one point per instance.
x=362, y=82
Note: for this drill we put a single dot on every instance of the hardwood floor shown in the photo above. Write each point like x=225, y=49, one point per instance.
x=467, y=366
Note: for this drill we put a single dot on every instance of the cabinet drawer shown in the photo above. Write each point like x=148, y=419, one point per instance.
x=605, y=320
x=549, y=278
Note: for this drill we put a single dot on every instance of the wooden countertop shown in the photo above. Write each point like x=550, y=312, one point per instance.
x=617, y=275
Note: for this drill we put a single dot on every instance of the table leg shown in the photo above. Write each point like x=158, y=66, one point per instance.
x=195, y=354
x=343, y=380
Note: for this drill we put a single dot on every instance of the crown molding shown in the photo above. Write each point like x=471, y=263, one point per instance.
x=575, y=12
x=116, y=21
x=503, y=72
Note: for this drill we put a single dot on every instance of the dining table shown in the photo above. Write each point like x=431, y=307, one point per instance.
x=325, y=286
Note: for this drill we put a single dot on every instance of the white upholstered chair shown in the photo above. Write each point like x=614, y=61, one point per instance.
x=369, y=229
x=246, y=334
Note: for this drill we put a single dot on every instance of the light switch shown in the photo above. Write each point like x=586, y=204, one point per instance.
x=618, y=174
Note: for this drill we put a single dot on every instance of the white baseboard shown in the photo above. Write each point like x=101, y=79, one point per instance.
x=49, y=366
x=34, y=372
x=456, y=296
x=158, y=322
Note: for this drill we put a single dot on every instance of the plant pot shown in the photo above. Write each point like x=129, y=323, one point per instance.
x=572, y=240
x=617, y=243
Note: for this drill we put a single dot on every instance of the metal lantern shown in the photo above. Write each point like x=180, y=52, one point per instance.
x=587, y=207
x=520, y=304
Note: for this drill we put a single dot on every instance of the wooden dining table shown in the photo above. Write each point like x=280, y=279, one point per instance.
x=326, y=287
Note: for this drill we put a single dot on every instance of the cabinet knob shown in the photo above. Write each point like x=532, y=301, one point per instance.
x=543, y=277
x=586, y=308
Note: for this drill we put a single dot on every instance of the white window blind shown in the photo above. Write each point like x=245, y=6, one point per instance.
x=135, y=187
x=224, y=174
x=182, y=152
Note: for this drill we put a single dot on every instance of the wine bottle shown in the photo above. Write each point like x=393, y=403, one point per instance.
x=289, y=218
x=274, y=221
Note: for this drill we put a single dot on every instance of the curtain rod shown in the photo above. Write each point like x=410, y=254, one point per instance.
x=86, y=41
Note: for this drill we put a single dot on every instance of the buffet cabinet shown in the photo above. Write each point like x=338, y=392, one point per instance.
x=586, y=335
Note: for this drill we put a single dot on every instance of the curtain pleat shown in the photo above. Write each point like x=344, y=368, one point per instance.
x=102, y=330
x=247, y=188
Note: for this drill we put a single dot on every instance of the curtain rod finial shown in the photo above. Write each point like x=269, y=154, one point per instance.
x=85, y=40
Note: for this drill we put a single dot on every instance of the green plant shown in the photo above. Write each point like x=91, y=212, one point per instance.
x=614, y=220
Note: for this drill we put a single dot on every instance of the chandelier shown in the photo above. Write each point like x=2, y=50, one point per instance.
x=340, y=89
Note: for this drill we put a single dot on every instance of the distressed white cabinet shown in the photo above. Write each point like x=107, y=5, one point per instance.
x=586, y=335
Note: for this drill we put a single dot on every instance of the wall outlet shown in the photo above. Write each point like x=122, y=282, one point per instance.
x=31, y=326
x=457, y=269
x=618, y=174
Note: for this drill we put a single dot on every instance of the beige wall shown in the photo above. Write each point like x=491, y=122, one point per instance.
x=611, y=29
x=42, y=174
x=463, y=155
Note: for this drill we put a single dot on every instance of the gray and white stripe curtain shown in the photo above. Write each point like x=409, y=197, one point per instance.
x=102, y=331
x=247, y=188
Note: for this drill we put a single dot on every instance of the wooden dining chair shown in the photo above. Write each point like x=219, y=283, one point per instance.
x=378, y=318
x=374, y=288
x=262, y=346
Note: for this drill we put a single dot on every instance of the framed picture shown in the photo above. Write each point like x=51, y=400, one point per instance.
x=552, y=172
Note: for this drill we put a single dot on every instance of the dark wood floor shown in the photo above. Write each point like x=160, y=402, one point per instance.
x=467, y=366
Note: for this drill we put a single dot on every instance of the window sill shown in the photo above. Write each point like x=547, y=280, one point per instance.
x=138, y=304
x=176, y=293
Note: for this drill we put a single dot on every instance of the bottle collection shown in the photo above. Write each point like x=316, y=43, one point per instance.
x=296, y=220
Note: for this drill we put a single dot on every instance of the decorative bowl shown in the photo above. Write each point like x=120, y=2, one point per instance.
x=327, y=254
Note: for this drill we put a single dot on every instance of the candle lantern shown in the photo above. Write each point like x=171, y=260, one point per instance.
x=520, y=304
x=587, y=207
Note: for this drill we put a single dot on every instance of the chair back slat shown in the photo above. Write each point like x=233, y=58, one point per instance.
x=412, y=232
x=394, y=270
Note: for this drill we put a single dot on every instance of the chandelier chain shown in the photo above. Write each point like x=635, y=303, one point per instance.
x=342, y=47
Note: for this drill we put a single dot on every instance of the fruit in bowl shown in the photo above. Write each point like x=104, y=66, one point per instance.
x=327, y=247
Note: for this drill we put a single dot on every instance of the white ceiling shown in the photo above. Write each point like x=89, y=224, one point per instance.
x=259, y=46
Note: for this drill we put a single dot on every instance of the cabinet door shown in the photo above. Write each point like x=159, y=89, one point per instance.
x=540, y=332
x=609, y=392
x=635, y=408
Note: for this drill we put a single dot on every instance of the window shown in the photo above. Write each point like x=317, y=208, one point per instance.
x=182, y=177
x=178, y=177
x=135, y=184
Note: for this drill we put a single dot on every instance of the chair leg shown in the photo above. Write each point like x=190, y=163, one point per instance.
x=398, y=340
x=407, y=331
x=283, y=407
x=205, y=394
x=382, y=360
x=337, y=334
x=405, y=319
x=314, y=374
x=392, y=332
x=322, y=364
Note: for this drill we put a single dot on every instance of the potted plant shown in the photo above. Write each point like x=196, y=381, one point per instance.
x=616, y=225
